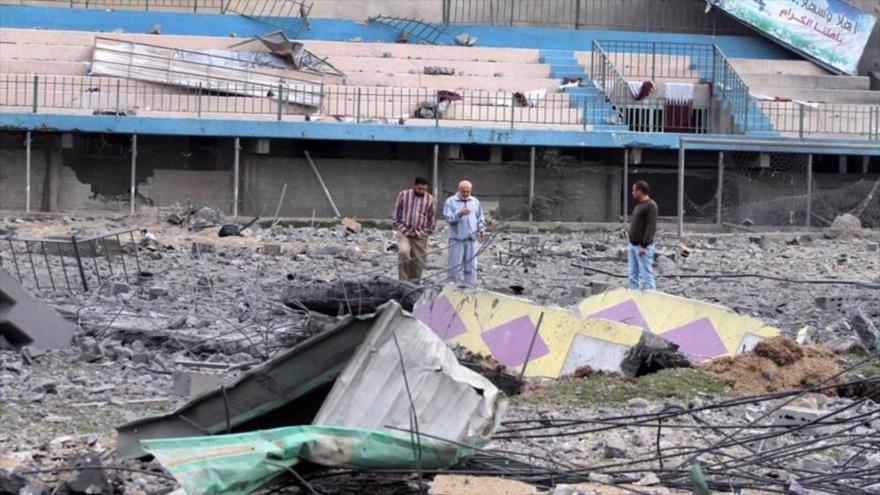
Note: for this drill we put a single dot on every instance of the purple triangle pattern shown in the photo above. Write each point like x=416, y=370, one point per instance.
x=509, y=342
x=698, y=339
x=625, y=312
x=440, y=317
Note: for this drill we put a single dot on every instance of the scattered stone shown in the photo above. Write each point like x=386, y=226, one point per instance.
x=117, y=288
x=157, y=292
x=872, y=247
x=192, y=383
x=271, y=249
x=637, y=403
x=155, y=29
x=11, y=482
x=45, y=387
x=89, y=481
x=844, y=226
x=865, y=329
x=604, y=479
x=200, y=248
x=351, y=225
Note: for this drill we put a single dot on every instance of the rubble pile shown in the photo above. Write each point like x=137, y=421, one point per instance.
x=202, y=310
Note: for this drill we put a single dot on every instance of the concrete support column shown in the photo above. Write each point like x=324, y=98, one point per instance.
x=235, y=175
x=27, y=172
x=435, y=176
x=680, y=189
x=841, y=164
x=625, y=186
x=719, y=196
x=531, y=181
x=865, y=161
x=134, y=152
x=809, y=189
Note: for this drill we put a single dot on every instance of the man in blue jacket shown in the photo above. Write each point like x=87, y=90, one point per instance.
x=466, y=226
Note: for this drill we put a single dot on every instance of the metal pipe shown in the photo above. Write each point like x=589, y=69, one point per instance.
x=809, y=188
x=796, y=144
x=323, y=186
x=27, y=172
x=235, y=176
x=625, y=184
x=720, y=192
x=531, y=181
x=134, y=148
x=680, y=188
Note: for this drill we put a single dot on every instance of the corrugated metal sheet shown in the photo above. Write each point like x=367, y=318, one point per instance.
x=214, y=70
x=450, y=401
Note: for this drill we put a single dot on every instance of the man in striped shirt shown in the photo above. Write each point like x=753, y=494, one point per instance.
x=414, y=221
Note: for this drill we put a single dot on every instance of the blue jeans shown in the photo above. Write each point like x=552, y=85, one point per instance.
x=641, y=268
x=463, y=258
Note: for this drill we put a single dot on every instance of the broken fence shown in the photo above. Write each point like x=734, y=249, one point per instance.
x=72, y=263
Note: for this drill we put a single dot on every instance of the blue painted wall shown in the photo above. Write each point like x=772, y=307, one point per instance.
x=344, y=30
x=378, y=133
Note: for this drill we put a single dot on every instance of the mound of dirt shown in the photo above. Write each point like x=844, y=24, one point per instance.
x=780, y=350
x=775, y=365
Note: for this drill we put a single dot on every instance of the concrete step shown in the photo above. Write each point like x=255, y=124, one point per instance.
x=761, y=66
x=806, y=81
x=821, y=95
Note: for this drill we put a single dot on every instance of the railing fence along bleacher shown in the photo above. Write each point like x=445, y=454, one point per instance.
x=684, y=16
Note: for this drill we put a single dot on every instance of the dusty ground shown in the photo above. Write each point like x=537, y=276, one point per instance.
x=224, y=307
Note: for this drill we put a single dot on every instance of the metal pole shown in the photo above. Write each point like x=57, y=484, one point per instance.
x=718, y=195
x=531, y=181
x=809, y=188
x=323, y=185
x=235, y=176
x=134, y=152
x=680, y=189
x=27, y=172
x=625, y=185
x=435, y=173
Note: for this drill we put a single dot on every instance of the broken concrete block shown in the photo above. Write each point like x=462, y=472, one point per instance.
x=615, y=448
x=829, y=302
x=89, y=481
x=844, y=226
x=117, y=288
x=865, y=329
x=192, y=383
x=200, y=248
x=872, y=247
x=156, y=292
x=351, y=225
x=11, y=482
x=271, y=249
x=793, y=416
x=25, y=321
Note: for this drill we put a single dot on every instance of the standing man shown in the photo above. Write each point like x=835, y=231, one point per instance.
x=642, y=228
x=464, y=215
x=414, y=221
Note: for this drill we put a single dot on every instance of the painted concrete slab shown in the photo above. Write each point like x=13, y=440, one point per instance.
x=26, y=321
x=702, y=330
x=503, y=326
x=602, y=355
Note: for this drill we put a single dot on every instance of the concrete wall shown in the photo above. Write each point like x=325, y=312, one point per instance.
x=94, y=175
x=357, y=10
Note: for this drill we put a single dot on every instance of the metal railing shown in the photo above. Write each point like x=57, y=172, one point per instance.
x=681, y=16
x=614, y=61
x=659, y=60
x=732, y=92
x=104, y=95
x=72, y=262
x=795, y=119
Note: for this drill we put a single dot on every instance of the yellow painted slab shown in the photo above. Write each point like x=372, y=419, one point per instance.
x=663, y=313
x=503, y=326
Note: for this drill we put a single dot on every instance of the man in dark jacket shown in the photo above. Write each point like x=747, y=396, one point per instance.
x=642, y=228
